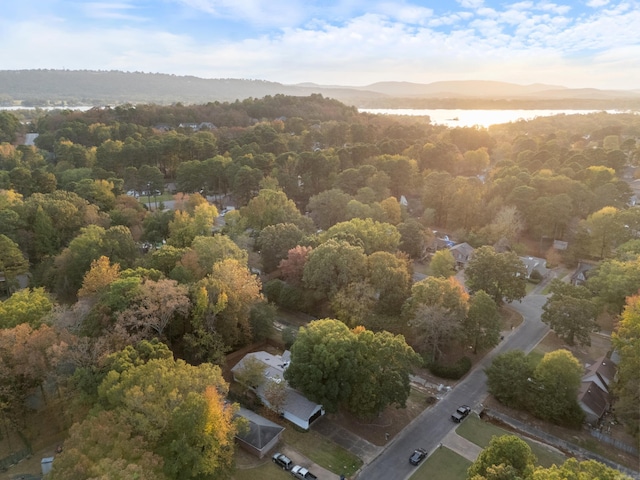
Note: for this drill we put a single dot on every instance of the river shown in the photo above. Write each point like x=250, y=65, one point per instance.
x=481, y=118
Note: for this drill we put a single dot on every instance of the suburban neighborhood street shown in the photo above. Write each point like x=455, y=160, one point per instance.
x=430, y=428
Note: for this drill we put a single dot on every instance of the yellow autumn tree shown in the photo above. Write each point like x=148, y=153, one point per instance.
x=100, y=276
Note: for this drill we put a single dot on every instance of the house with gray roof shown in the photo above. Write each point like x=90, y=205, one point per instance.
x=581, y=274
x=594, y=395
x=532, y=264
x=296, y=408
x=593, y=401
x=260, y=435
x=602, y=372
x=462, y=253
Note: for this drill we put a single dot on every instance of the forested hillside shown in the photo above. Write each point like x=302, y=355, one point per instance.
x=121, y=292
x=86, y=87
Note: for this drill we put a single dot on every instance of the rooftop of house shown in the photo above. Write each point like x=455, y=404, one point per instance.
x=604, y=368
x=260, y=430
x=593, y=398
x=295, y=403
x=464, y=248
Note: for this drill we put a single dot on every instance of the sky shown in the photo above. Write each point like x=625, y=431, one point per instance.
x=577, y=44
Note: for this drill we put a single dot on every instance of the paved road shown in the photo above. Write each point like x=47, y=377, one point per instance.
x=432, y=426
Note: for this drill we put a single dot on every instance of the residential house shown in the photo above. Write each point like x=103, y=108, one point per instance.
x=296, y=408
x=602, y=372
x=580, y=276
x=261, y=434
x=535, y=264
x=594, y=395
x=593, y=401
x=462, y=253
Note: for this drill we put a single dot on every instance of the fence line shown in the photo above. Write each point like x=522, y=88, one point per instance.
x=612, y=441
x=559, y=443
x=14, y=458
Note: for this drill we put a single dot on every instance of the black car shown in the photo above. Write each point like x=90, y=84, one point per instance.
x=461, y=413
x=417, y=456
x=282, y=461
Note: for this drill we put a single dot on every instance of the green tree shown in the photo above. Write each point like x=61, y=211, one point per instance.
x=414, y=238
x=25, y=306
x=573, y=469
x=570, y=313
x=275, y=241
x=105, y=446
x=373, y=236
x=501, y=275
x=508, y=378
x=333, y=265
x=391, y=280
x=606, y=231
x=75, y=260
x=354, y=304
x=556, y=381
x=9, y=127
x=210, y=250
x=203, y=343
x=359, y=369
x=232, y=292
x=251, y=374
x=443, y=264
x=328, y=208
x=384, y=362
x=626, y=340
x=613, y=281
x=508, y=450
x=481, y=326
x=323, y=364
x=271, y=207
x=12, y=261
x=180, y=410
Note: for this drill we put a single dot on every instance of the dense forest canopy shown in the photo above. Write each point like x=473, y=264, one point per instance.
x=331, y=207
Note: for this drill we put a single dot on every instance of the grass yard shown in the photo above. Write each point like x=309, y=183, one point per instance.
x=268, y=471
x=443, y=464
x=480, y=433
x=535, y=356
x=322, y=451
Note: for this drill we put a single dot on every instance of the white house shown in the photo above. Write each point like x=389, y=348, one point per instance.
x=297, y=408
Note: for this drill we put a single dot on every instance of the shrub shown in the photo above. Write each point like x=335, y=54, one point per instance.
x=535, y=277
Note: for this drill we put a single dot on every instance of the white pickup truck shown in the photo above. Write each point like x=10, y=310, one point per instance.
x=302, y=473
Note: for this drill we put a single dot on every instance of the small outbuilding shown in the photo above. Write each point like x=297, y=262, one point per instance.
x=261, y=434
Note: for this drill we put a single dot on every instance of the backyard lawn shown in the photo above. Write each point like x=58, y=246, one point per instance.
x=322, y=451
x=443, y=464
x=266, y=470
x=480, y=433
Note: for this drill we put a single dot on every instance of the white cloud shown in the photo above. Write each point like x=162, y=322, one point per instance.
x=597, y=3
x=472, y=4
x=110, y=11
x=522, y=43
x=257, y=12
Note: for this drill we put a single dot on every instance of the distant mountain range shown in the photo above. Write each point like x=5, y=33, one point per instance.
x=86, y=87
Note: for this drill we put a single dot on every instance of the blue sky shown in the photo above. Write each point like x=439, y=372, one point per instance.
x=593, y=43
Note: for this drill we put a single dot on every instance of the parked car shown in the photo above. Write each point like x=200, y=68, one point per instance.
x=461, y=413
x=417, y=456
x=282, y=461
x=302, y=473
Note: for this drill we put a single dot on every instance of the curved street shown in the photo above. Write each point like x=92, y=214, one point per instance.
x=430, y=428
